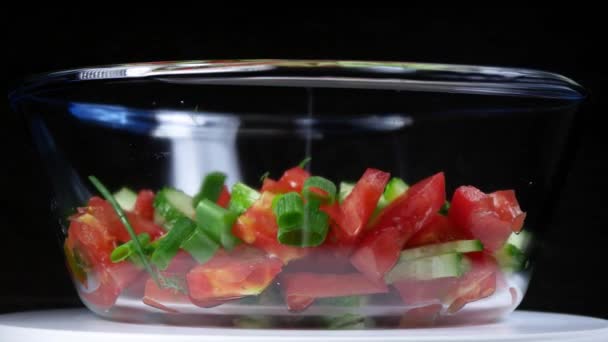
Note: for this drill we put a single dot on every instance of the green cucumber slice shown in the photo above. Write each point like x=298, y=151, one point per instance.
x=440, y=266
x=459, y=246
x=394, y=188
x=171, y=205
x=126, y=198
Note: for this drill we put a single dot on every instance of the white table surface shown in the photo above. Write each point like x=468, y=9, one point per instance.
x=82, y=326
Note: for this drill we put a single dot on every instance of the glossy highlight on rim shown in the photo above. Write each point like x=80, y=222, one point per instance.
x=399, y=76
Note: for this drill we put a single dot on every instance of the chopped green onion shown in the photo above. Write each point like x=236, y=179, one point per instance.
x=313, y=227
x=345, y=190
x=444, y=208
x=127, y=249
x=170, y=243
x=305, y=162
x=216, y=222
x=211, y=188
x=288, y=210
x=200, y=246
x=242, y=197
x=327, y=187
x=123, y=218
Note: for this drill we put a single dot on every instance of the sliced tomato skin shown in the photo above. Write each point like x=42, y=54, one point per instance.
x=302, y=288
x=358, y=207
x=438, y=230
x=224, y=198
x=242, y=272
x=489, y=218
x=379, y=248
x=144, y=205
x=258, y=227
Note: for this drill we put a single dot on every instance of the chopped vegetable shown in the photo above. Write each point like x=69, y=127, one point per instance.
x=127, y=249
x=211, y=188
x=299, y=224
x=169, y=245
x=216, y=222
x=126, y=198
x=426, y=268
x=345, y=189
x=379, y=249
x=319, y=188
x=242, y=198
x=462, y=246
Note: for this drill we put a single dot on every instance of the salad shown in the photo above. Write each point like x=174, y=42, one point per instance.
x=298, y=241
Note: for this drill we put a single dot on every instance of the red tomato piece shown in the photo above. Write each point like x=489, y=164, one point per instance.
x=303, y=287
x=358, y=207
x=244, y=271
x=292, y=180
x=479, y=282
x=379, y=248
x=91, y=238
x=506, y=206
x=295, y=178
x=437, y=231
x=144, y=205
x=489, y=218
x=258, y=227
x=224, y=198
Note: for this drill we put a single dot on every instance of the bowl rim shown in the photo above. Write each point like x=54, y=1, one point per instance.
x=391, y=75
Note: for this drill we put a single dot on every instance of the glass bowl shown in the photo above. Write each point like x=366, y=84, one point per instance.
x=283, y=193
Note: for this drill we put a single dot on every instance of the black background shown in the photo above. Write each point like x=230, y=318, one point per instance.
x=571, y=271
